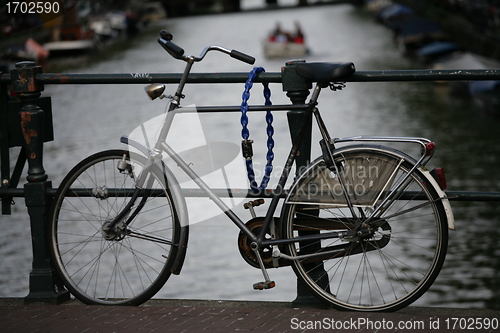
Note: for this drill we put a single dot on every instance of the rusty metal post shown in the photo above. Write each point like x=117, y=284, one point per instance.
x=44, y=286
x=4, y=149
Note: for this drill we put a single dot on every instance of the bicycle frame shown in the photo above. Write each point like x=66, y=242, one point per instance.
x=327, y=143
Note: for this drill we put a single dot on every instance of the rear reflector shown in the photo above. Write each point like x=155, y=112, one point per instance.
x=438, y=174
x=430, y=148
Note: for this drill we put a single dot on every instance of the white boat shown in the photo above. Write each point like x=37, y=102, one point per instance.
x=102, y=28
x=153, y=11
x=69, y=46
x=284, y=50
x=285, y=44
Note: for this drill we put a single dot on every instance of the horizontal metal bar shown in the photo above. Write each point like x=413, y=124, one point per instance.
x=472, y=196
x=193, y=193
x=456, y=196
x=425, y=75
x=285, y=107
x=137, y=78
x=247, y=193
x=271, y=77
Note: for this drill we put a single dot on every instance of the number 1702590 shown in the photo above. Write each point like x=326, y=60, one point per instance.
x=33, y=7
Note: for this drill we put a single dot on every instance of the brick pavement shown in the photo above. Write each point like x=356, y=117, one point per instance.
x=221, y=316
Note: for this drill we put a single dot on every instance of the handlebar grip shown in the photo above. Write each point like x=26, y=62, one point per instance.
x=242, y=56
x=173, y=49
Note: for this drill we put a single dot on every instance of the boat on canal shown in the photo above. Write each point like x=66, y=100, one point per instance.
x=284, y=44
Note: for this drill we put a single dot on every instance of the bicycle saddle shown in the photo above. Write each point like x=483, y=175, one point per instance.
x=325, y=71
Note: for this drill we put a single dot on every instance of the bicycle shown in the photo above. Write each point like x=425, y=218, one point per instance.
x=364, y=226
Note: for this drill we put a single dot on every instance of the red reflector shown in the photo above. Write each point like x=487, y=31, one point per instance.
x=438, y=174
x=430, y=148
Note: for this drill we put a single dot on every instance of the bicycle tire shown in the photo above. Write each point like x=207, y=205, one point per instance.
x=107, y=268
x=396, y=261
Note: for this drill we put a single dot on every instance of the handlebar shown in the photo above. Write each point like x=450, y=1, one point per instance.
x=177, y=52
x=242, y=57
x=165, y=41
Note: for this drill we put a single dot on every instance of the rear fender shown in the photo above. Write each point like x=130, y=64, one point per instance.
x=444, y=199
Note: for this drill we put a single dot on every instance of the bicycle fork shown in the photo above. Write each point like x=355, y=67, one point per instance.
x=116, y=228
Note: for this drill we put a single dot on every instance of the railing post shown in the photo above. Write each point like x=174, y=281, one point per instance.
x=44, y=286
x=4, y=149
x=297, y=89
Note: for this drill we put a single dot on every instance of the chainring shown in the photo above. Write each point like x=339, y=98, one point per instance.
x=255, y=225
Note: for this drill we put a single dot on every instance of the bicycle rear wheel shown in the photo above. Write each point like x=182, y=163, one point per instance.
x=399, y=252
x=123, y=266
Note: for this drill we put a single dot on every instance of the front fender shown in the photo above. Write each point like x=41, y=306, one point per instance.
x=179, y=204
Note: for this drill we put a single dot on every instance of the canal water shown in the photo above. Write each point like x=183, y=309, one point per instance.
x=89, y=118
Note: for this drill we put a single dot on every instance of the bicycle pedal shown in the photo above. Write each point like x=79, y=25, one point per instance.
x=264, y=285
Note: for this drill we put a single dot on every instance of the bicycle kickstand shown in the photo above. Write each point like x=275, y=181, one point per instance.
x=267, y=284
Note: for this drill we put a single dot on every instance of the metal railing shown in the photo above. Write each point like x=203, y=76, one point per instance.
x=27, y=122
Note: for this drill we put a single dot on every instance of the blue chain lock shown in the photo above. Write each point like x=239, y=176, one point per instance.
x=246, y=144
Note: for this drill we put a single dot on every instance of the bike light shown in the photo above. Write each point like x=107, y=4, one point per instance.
x=155, y=90
x=438, y=174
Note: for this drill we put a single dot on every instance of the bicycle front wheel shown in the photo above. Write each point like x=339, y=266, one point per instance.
x=125, y=265
x=399, y=250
